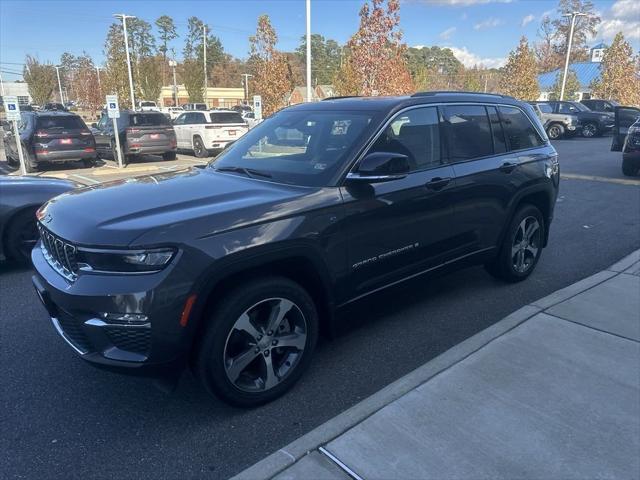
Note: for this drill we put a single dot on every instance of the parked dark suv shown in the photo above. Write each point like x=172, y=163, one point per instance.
x=592, y=124
x=601, y=106
x=50, y=137
x=140, y=133
x=234, y=268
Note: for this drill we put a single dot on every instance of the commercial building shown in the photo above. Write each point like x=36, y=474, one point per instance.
x=18, y=89
x=215, y=97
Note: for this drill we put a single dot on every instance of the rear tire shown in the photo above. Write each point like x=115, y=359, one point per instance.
x=244, y=328
x=629, y=168
x=521, y=248
x=30, y=165
x=198, y=148
x=22, y=235
x=555, y=131
x=169, y=156
x=114, y=154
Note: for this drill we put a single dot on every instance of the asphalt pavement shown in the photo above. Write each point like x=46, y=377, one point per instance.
x=64, y=419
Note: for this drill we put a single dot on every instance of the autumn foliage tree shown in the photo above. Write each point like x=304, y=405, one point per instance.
x=40, y=78
x=271, y=72
x=519, y=78
x=376, y=62
x=620, y=79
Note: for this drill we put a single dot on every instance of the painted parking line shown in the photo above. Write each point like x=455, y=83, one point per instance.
x=595, y=178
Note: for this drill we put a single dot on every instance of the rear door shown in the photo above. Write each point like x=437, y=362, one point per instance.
x=624, y=118
x=180, y=128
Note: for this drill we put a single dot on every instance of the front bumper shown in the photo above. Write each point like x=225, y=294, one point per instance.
x=64, y=155
x=156, y=346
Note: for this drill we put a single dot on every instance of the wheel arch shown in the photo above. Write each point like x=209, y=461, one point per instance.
x=538, y=196
x=8, y=221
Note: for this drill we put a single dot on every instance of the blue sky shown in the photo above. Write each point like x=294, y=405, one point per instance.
x=477, y=30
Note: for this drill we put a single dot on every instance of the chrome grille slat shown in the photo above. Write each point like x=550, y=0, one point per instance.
x=59, y=253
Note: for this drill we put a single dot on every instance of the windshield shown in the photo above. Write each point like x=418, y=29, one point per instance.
x=301, y=148
x=226, y=117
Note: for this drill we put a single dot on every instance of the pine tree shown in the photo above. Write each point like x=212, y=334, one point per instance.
x=620, y=79
x=519, y=77
x=167, y=30
x=116, y=80
x=271, y=71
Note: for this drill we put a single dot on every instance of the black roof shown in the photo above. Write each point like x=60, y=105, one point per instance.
x=393, y=102
x=52, y=113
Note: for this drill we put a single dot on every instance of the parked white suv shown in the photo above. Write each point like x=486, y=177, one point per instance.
x=172, y=112
x=211, y=130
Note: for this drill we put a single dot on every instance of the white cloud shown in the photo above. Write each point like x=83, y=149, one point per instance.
x=446, y=35
x=527, y=20
x=488, y=23
x=469, y=59
x=623, y=16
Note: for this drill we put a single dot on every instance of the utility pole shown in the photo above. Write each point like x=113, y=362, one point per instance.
x=99, y=82
x=204, y=48
x=573, y=16
x=57, y=67
x=126, y=47
x=486, y=82
x=172, y=64
x=245, y=82
x=1, y=85
x=308, y=50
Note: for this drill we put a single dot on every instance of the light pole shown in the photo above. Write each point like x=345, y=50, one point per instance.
x=1, y=85
x=99, y=82
x=126, y=48
x=573, y=16
x=204, y=51
x=172, y=64
x=245, y=82
x=57, y=67
x=308, y=50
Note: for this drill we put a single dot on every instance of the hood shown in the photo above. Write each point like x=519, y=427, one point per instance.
x=166, y=207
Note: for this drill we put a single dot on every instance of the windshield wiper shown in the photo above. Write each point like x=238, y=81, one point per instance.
x=249, y=172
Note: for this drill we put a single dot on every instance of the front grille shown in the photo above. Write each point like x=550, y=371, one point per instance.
x=60, y=254
x=72, y=329
x=131, y=339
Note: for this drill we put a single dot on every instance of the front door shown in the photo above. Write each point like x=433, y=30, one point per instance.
x=401, y=227
x=180, y=129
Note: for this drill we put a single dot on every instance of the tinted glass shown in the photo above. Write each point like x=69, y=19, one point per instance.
x=518, y=129
x=226, y=117
x=181, y=119
x=545, y=108
x=467, y=131
x=147, y=104
x=62, y=122
x=298, y=147
x=499, y=144
x=415, y=134
x=148, y=119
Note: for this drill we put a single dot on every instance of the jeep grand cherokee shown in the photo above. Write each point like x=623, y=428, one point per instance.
x=233, y=268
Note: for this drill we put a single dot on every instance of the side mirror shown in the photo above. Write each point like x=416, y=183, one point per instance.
x=381, y=167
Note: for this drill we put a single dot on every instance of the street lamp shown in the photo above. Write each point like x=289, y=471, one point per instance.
x=57, y=67
x=573, y=16
x=308, y=50
x=126, y=47
x=172, y=64
x=245, y=81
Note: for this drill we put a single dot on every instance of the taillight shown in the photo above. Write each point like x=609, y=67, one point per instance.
x=89, y=149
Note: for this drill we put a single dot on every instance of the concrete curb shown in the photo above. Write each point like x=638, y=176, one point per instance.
x=290, y=454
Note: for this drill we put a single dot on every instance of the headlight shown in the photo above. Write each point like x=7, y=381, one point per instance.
x=124, y=261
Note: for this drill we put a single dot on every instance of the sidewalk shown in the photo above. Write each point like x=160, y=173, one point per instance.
x=551, y=391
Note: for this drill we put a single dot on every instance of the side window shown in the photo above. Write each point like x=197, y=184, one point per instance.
x=467, y=131
x=199, y=118
x=518, y=129
x=180, y=119
x=415, y=134
x=545, y=108
x=567, y=108
x=499, y=144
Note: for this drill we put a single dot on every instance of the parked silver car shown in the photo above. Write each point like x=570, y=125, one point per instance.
x=557, y=125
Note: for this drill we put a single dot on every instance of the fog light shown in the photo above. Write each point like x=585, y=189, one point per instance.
x=127, y=318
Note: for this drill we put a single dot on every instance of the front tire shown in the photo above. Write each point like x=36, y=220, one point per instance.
x=629, y=168
x=258, y=342
x=590, y=130
x=521, y=247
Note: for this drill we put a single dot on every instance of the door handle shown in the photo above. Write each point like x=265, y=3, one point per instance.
x=438, y=183
x=508, y=167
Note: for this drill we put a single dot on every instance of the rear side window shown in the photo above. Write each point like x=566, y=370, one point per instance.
x=148, y=119
x=545, y=108
x=499, y=143
x=226, y=117
x=467, y=131
x=518, y=129
x=62, y=122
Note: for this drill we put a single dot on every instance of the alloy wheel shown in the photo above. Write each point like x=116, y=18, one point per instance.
x=589, y=130
x=265, y=345
x=198, y=148
x=554, y=132
x=526, y=244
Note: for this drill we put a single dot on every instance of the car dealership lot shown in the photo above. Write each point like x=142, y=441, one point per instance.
x=81, y=421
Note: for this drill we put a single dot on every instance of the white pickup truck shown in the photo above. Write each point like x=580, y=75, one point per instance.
x=148, y=106
x=211, y=130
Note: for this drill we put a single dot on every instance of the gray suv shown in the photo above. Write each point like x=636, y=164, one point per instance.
x=557, y=125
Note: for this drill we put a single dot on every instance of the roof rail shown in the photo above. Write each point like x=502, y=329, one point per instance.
x=453, y=92
x=340, y=97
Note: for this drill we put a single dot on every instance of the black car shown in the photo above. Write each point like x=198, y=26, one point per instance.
x=140, y=133
x=50, y=137
x=600, y=106
x=54, y=107
x=592, y=124
x=626, y=138
x=19, y=199
x=233, y=269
